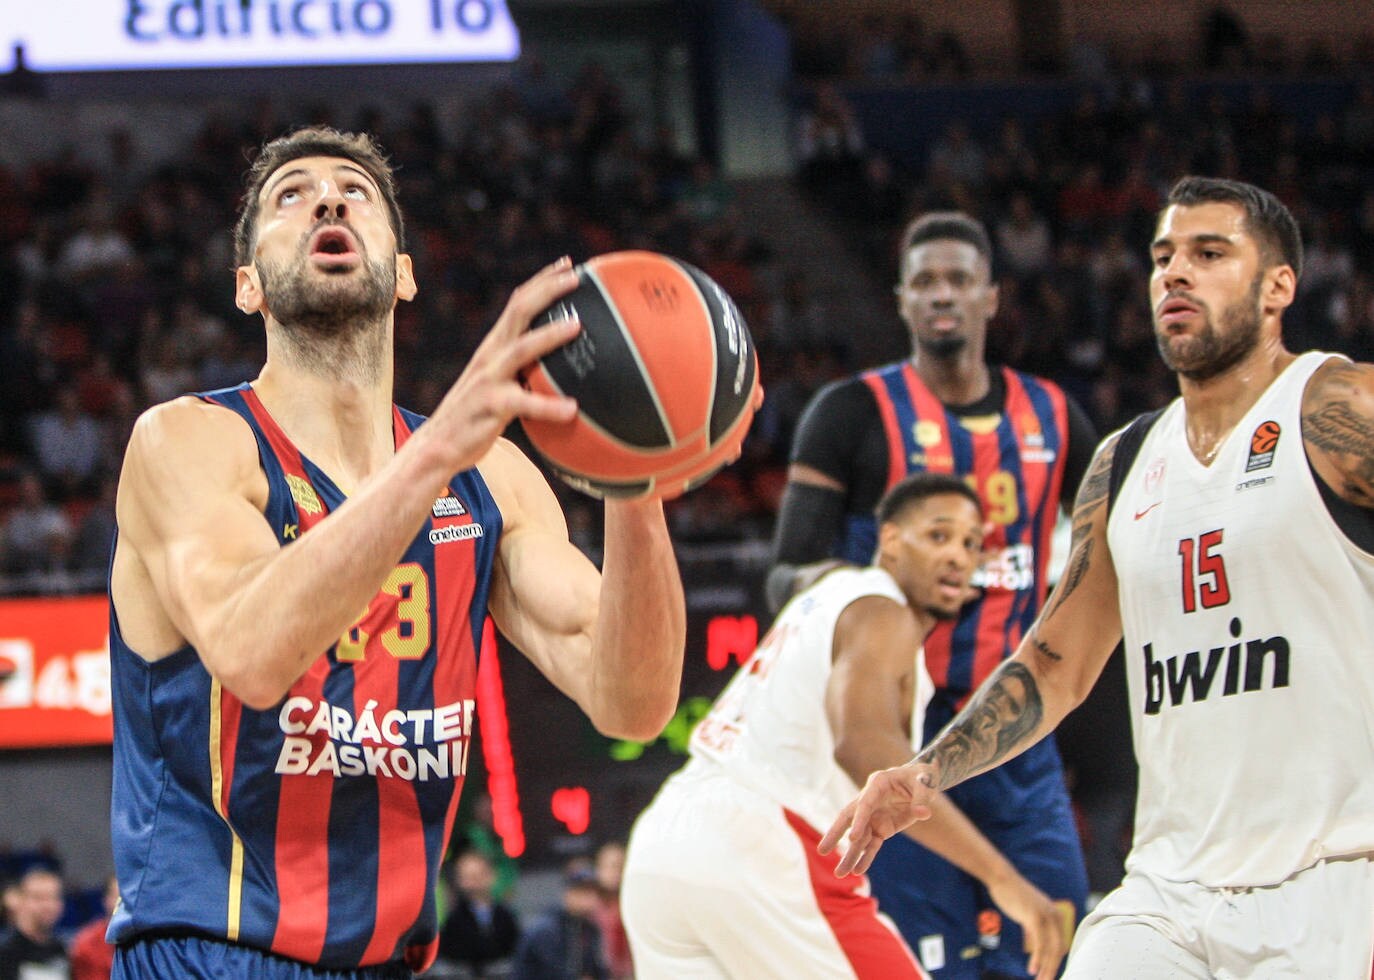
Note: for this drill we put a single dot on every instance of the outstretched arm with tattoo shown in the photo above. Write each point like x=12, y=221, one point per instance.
x=1020, y=703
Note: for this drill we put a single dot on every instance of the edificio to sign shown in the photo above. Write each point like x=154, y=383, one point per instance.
x=105, y=35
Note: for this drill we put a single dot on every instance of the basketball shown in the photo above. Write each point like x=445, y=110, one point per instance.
x=664, y=372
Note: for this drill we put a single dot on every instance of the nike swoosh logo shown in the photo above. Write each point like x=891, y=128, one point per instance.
x=1141, y=513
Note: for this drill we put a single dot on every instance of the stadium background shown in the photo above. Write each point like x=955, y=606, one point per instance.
x=779, y=145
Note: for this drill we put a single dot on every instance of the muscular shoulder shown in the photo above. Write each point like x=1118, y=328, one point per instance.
x=1338, y=428
x=191, y=439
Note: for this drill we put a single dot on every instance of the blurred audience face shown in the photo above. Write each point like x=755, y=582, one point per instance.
x=610, y=866
x=475, y=877
x=38, y=904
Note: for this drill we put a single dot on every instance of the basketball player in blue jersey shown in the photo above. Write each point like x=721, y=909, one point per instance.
x=1230, y=538
x=299, y=590
x=1023, y=445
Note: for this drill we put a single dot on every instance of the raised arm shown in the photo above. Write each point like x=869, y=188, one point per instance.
x=612, y=641
x=196, y=563
x=1051, y=672
x=869, y=702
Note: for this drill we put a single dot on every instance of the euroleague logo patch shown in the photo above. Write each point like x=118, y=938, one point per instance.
x=1262, y=445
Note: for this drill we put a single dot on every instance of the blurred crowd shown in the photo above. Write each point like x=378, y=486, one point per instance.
x=115, y=277
x=51, y=931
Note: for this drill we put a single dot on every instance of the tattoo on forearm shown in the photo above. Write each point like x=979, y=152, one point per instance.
x=1092, y=496
x=1004, y=712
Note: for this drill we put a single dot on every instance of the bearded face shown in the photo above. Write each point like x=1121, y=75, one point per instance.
x=311, y=300
x=1219, y=345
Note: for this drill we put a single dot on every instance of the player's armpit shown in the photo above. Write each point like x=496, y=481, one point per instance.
x=1338, y=428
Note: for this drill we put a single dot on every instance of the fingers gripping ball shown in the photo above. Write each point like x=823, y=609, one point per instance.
x=664, y=372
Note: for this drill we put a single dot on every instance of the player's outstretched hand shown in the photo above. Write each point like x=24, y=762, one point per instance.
x=891, y=801
x=1047, y=929
x=489, y=394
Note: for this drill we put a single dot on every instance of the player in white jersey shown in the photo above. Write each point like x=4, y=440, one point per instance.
x=722, y=878
x=1231, y=540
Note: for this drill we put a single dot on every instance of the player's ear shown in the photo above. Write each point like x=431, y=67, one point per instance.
x=1280, y=287
x=405, y=278
x=888, y=534
x=994, y=298
x=248, y=295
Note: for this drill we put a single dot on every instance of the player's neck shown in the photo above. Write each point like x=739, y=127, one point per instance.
x=343, y=425
x=1215, y=405
x=960, y=379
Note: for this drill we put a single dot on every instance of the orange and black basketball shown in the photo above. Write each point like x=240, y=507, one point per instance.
x=664, y=372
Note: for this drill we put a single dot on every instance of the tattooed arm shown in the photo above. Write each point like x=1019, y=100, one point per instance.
x=1020, y=703
x=1338, y=428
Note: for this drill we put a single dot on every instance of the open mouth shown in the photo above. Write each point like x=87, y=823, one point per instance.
x=953, y=587
x=333, y=244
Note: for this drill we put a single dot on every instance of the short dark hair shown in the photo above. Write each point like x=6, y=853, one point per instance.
x=1265, y=215
x=946, y=224
x=312, y=141
x=917, y=487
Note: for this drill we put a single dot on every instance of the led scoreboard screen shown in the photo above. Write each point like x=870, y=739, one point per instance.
x=114, y=35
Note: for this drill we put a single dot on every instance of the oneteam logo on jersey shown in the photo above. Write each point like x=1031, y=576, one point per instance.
x=455, y=532
x=1174, y=681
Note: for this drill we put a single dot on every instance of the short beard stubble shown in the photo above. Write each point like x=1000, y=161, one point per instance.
x=1214, y=352
x=331, y=323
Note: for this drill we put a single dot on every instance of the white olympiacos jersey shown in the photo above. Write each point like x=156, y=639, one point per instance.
x=769, y=729
x=1249, y=629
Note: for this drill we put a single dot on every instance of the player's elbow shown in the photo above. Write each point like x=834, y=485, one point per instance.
x=641, y=722
x=245, y=678
x=853, y=755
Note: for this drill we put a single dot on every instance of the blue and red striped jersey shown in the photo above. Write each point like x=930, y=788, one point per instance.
x=313, y=830
x=1014, y=460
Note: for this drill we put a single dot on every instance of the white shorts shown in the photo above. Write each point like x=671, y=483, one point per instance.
x=722, y=882
x=1317, y=924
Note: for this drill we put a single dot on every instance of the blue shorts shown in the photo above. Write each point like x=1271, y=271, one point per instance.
x=198, y=958
x=945, y=915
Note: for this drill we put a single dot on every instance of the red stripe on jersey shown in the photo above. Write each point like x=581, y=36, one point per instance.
x=302, y=851
x=896, y=448
x=455, y=669
x=939, y=456
x=1043, y=482
x=997, y=605
x=302, y=848
x=230, y=711
x=940, y=459
x=287, y=455
x=400, y=836
x=868, y=939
